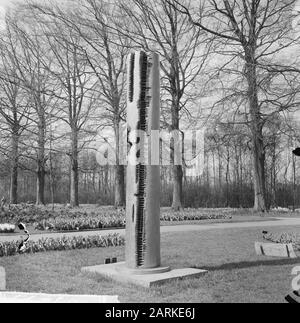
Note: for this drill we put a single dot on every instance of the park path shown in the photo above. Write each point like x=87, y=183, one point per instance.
x=281, y=222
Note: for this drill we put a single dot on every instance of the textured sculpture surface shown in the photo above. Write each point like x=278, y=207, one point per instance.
x=143, y=179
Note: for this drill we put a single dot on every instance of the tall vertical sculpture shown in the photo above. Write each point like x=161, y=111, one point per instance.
x=143, y=178
x=143, y=263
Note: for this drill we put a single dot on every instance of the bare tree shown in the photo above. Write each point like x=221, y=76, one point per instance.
x=256, y=33
x=106, y=54
x=29, y=55
x=158, y=26
x=107, y=58
x=76, y=91
x=14, y=111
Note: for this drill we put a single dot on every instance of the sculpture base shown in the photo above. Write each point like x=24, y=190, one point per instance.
x=119, y=272
x=36, y=298
x=143, y=271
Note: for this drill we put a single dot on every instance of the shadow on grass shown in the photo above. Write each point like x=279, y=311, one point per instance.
x=250, y=264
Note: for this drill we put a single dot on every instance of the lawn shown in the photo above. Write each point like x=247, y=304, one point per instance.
x=236, y=274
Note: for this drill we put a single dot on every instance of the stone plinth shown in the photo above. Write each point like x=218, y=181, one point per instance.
x=118, y=272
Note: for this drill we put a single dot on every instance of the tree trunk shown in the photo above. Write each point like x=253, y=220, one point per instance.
x=237, y=180
x=241, y=186
x=120, y=195
x=273, y=175
x=258, y=153
x=74, y=182
x=120, y=186
x=177, y=170
x=259, y=175
x=228, y=159
x=40, y=183
x=177, y=187
x=14, y=169
x=51, y=176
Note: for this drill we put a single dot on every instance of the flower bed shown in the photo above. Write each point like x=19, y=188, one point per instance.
x=7, y=228
x=96, y=222
x=27, y=214
x=102, y=218
x=80, y=224
x=284, y=238
x=62, y=244
x=191, y=215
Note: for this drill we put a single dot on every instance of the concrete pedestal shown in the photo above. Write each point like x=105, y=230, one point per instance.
x=120, y=273
x=34, y=298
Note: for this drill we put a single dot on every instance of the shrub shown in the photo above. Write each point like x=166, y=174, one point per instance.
x=62, y=244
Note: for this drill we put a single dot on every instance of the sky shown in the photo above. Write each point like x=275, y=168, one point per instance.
x=3, y=5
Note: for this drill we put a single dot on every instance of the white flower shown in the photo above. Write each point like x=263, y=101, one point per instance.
x=7, y=227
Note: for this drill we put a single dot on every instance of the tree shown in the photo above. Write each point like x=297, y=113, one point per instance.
x=14, y=111
x=77, y=97
x=257, y=34
x=29, y=55
x=105, y=53
x=157, y=26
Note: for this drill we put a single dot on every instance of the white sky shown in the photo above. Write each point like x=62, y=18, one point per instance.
x=4, y=3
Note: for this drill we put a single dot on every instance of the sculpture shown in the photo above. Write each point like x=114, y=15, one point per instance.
x=143, y=178
x=143, y=261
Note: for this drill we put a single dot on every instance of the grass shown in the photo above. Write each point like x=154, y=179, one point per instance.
x=235, y=275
